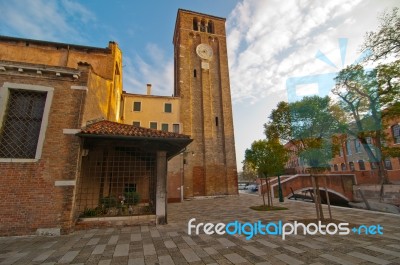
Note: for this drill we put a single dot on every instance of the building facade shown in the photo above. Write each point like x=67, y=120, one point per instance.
x=151, y=111
x=162, y=113
x=64, y=155
x=200, y=107
x=352, y=158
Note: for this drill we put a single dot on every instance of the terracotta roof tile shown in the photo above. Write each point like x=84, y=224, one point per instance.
x=118, y=129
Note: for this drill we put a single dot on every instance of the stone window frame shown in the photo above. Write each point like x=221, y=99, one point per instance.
x=352, y=166
x=396, y=133
x=179, y=127
x=153, y=123
x=388, y=163
x=4, y=96
x=361, y=165
x=133, y=106
x=357, y=146
x=348, y=148
x=162, y=125
x=165, y=107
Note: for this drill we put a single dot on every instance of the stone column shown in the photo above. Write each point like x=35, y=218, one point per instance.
x=161, y=188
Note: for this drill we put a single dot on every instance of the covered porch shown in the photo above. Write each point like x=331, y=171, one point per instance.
x=124, y=171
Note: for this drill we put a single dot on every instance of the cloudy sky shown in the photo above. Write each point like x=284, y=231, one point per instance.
x=269, y=42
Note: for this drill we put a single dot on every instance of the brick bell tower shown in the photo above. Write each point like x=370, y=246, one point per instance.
x=202, y=82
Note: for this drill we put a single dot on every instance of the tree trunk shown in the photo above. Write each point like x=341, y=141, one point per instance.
x=319, y=199
x=262, y=192
x=268, y=193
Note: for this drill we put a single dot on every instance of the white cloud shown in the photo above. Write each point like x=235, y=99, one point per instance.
x=44, y=19
x=270, y=41
x=75, y=9
x=159, y=72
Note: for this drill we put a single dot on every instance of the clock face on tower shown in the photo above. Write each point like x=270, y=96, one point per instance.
x=204, y=51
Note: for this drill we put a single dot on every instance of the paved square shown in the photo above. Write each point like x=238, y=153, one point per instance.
x=171, y=244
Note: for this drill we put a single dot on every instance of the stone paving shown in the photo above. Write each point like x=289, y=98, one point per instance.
x=171, y=244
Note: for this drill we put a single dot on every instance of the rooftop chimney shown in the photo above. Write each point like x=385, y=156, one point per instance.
x=148, y=89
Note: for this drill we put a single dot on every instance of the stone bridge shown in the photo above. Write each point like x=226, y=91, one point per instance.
x=339, y=186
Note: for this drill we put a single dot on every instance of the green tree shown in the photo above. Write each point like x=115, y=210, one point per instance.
x=309, y=124
x=248, y=173
x=268, y=159
x=368, y=98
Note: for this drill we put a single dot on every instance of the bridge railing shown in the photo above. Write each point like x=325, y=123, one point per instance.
x=334, y=182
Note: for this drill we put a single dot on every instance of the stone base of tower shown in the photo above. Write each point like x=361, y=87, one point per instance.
x=213, y=180
x=199, y=181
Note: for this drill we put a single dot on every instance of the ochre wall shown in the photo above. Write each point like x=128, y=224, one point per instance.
x=152, y=110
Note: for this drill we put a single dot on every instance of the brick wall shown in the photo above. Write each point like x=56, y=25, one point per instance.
x=30, y=199
x=206, y=109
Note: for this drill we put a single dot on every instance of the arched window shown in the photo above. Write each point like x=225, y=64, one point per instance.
x=210, y=27
x=351, y=165
x=203, y=26
x=361, y=164
x=396, y=133
x=335, y=167
x=195, y=24
x=343, y=166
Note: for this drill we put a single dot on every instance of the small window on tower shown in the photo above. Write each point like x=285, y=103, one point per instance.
x=195, y=24
x=203, y=26
x=210, y=27
x=194, y=73
x=216, y=121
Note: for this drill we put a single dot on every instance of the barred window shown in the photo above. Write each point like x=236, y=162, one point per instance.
x=22, y=121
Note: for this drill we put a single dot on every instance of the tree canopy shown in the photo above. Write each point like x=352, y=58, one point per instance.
x=385, y=41
x=267, y=158
x=309, y=124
